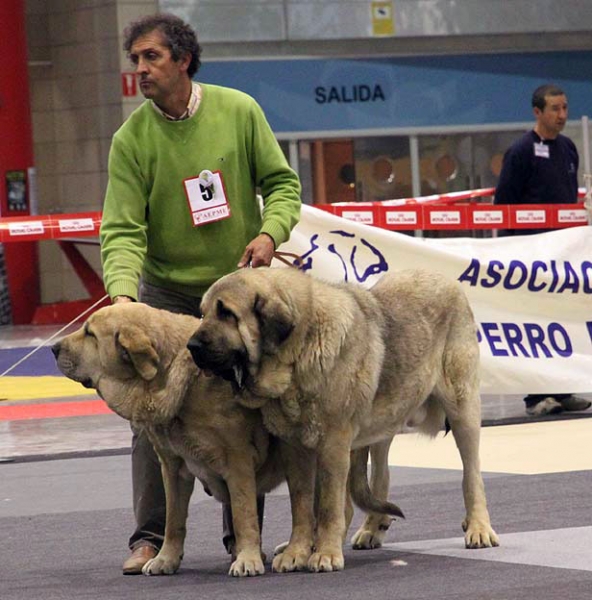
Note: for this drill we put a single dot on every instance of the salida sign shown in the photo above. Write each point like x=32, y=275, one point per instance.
x=345, y=94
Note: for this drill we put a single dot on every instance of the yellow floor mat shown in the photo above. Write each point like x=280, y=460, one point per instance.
x=529, y=448
x=35, y=388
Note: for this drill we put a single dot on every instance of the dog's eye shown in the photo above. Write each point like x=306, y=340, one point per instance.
x=122, y=352
x=223, y=312
x=88, y=332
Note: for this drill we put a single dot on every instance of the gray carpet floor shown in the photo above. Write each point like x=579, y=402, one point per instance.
x=65, y=524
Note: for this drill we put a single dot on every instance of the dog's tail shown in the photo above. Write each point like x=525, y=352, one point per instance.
x=360, y=491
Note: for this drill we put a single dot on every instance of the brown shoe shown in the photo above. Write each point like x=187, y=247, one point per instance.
x=139, y=557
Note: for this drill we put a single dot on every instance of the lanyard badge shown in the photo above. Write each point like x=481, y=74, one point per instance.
x=541, y=150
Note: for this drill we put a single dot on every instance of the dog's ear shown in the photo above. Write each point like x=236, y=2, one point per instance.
x=135, y=347
x=275, y=322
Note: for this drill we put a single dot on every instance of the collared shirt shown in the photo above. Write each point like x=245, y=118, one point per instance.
x=192, y=105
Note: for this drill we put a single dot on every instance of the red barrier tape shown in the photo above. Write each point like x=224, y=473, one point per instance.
x=462, y=216
x=49, y=227
x=456, y=210
x=449, y=198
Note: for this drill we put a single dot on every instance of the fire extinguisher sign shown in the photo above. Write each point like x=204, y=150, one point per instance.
x=129, y=85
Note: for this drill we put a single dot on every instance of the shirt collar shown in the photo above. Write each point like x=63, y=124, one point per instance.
x=192, y=105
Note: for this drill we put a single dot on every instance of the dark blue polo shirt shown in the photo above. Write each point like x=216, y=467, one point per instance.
x=545, y=175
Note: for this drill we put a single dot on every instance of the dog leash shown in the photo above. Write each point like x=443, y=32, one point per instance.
x=49, y=339
x=283, y=257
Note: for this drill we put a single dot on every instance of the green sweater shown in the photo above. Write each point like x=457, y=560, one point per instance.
x=147, y=229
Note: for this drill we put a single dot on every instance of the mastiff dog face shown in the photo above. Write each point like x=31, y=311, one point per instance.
x=335, y=367
x=136, y=358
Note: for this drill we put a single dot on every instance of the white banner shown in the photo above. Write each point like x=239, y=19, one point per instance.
x=531, y=295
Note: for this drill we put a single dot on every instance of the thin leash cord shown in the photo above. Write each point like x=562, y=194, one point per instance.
x=24, y=358
x=281, y=256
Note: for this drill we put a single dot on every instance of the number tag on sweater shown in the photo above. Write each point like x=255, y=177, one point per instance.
x=207, y=198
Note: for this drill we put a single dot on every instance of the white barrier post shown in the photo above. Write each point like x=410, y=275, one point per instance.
x=587, y=171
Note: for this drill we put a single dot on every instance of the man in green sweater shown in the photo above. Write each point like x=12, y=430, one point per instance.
x=182, y=210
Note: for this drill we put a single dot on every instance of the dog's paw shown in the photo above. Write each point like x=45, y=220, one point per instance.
x=479, y=535
x=247, y=564
x=161, y=565
x=290, y=559
x=321, y=562
x=365, y=539
x=372, y=532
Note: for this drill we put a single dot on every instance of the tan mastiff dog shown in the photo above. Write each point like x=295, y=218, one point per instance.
x=136, y=358
x=335, y=367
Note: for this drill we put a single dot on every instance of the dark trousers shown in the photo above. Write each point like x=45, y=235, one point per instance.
x=148, y=488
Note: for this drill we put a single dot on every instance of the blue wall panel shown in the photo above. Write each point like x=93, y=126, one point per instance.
x=302, y=95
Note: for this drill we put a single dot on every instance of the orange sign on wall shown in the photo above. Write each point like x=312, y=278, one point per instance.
x=129, y=84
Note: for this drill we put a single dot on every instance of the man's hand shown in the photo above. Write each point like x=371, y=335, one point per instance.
x=122, y=299
x=258, y=253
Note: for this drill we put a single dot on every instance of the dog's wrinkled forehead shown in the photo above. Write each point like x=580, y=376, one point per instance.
x=109, y=318
x=235, y=292
x=102, y=323
x=96, y=324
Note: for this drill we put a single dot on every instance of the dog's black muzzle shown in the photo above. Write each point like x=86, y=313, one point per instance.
x=201, y=354
x=56, y=349
x=228, y=366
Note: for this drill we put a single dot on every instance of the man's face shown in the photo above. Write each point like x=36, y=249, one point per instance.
x=158, y=74
x=553, y=117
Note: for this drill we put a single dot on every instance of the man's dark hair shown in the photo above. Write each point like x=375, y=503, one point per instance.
x=180, y=37
x=549, y=89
